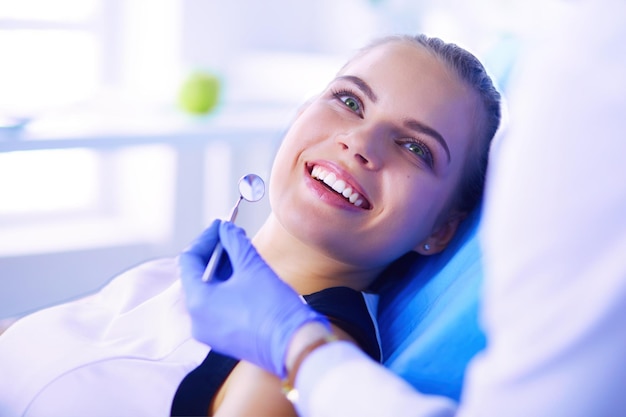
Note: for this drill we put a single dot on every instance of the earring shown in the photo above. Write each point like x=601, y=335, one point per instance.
x=426, y=247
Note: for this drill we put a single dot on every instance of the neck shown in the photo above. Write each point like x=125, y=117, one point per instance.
x=305, y=267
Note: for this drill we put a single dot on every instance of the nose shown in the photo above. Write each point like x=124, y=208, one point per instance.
x=365, y=145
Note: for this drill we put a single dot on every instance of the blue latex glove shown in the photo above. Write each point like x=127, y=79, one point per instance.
x=251, y=314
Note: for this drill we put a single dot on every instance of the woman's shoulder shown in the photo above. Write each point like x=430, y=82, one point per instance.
x=352, y=311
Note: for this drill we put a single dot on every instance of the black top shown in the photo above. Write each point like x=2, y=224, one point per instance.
x=343, y=306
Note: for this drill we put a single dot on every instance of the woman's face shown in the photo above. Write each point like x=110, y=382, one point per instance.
x=367, y=168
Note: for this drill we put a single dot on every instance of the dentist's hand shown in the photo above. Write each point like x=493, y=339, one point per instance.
x=252, y=314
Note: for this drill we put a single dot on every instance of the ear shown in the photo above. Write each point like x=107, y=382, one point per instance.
x=442, y=235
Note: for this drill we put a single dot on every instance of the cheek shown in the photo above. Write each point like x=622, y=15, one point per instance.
x=312, y=125
x=407, y=228
x=287, y=170
x=413, y=217
x=304, y=133
x=279, y=175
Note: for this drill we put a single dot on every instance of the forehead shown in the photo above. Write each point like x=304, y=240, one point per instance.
x=404, y=71
x=396, y=50
x=412, y=82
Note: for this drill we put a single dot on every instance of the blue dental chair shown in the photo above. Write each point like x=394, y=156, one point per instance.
x=428, y=314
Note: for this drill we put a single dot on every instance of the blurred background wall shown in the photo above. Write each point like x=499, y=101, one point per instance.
x=100, y=169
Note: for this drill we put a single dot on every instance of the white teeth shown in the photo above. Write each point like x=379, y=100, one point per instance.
x=330, y=179
x=340, y=186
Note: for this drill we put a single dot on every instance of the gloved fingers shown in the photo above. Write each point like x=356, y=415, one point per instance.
x=224, y=269
x=235, y=243
x=204, y=245
x=190, y=266
x=193, y=260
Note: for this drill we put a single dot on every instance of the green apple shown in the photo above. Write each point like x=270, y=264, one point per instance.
x=199, y=93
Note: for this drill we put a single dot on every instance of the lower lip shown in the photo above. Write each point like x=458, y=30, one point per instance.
x=324, y=194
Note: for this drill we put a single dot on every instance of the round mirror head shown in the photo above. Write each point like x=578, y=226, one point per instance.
x=251, y=187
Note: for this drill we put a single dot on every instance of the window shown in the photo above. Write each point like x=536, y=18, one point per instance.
x=42, y=182
x=81, y=59
x=51, y=54
x=59, y=52
x=68, y=199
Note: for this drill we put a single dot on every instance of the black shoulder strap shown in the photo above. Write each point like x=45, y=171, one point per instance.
x=346, y=309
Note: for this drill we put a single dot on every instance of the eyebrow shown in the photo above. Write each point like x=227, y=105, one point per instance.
x=422, y=128
x=363, y=86
x=409, y=123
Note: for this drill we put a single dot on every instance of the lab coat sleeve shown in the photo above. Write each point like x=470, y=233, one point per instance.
x=338, y=379
x=554, y=229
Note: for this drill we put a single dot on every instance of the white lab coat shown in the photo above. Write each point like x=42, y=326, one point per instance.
x=554, y=239
x=120, y=352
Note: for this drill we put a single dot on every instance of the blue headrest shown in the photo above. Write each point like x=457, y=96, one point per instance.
x=428, y=314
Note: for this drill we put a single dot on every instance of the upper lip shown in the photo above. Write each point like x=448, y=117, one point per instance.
x=343, y=175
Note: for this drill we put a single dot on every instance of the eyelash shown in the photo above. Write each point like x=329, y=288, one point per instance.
x=340, y=94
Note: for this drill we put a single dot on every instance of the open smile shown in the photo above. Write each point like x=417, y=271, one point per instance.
x=340, y=186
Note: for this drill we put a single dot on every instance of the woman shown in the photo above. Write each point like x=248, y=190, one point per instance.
x=388, y=159
x=374, y=167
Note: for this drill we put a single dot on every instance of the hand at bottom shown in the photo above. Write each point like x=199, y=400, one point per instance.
x=251, y=315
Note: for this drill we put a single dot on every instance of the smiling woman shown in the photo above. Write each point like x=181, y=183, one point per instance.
x=397, y=125
x=372, y=168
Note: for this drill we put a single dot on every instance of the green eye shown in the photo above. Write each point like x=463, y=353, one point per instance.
x=416, y=149
x=420, y=150
x=351, y=103
x=350, y=100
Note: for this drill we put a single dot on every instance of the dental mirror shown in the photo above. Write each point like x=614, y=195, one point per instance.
x=251, y=188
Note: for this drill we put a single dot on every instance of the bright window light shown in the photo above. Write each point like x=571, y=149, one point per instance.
x=48, y=181
x=46, y=10
x=42, y=69
x=69, y=199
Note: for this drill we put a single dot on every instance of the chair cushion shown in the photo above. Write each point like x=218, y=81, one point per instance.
x=428, y=314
